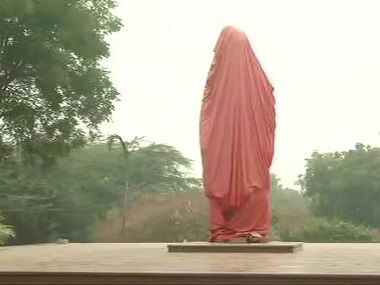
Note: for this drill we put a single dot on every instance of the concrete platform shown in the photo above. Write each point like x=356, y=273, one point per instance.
x=270, y=247
x=151, y=264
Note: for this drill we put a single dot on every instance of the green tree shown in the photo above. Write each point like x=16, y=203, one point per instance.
x=345, y=185
x=67, y=199
x=153, y=168
x=53, y=88
x=27, y=201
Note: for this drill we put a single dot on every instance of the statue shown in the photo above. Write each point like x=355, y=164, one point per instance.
x=237, y=129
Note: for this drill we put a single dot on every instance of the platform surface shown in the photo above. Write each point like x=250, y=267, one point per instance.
x=123, y=257
x=270, y=247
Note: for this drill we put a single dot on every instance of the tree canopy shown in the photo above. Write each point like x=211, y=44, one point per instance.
x=53, y=89
x=345, y=185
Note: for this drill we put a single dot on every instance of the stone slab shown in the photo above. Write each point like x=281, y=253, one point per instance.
x=207, y=247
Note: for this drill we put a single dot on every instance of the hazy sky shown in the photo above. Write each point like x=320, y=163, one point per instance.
x=321, y=56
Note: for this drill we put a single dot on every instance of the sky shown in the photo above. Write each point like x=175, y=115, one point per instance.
x=321, y=56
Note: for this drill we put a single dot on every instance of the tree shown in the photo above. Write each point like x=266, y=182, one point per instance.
x=27, y=201
x=52, y=86
x=345, y=185
x=67, y=199
x=151, y=168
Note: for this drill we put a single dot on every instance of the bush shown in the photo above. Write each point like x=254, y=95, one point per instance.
x=174, y=217
x=290, y=214
x=323, y=230
x=159, y=217
x=6, y=232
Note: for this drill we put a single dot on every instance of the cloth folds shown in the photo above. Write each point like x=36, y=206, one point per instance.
x=237, y=130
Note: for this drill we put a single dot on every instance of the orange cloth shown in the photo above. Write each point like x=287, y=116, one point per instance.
x=237, y=139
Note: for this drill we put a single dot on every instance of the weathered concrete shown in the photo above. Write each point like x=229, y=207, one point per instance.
x=152, y=264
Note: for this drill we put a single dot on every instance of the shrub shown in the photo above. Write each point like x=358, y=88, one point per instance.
x=323, y=230
x=159, y=217
x=6, y=232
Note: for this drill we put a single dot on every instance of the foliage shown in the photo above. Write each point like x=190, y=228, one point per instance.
x=6, y=232
x=323, y=230
x=25, y=200
x=176, y=216
x=154, y=167
x=67, y=199
x=290, y=212
x=345, y=185
x=89, y=187
x=159, y=217
x=52, y=86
